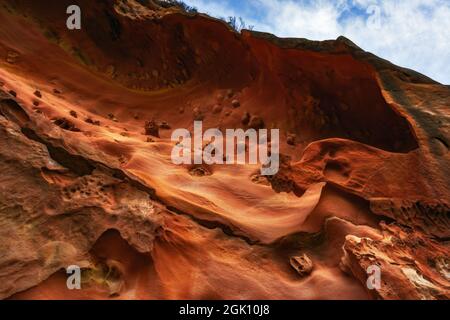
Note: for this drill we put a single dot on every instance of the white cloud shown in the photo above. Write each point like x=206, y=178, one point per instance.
x=410, y=33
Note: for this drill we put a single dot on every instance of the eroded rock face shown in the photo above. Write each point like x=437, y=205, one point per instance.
x=364, y=141
x=413, y=266
x=50, y=217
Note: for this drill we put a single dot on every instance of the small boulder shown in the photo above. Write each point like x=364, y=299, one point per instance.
x=256, y=123
x=66, y=124
x=302, y=264
x=217, y=109
x=93, y=122
x=220, y=97
x=199, y=171
x=235, y=103
x=112, y=117
x=152, y=128
x=245, y=118
x=165, y=125
x=291, y=138
x=198, y=114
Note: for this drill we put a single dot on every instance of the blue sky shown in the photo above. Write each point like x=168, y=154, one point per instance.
x=411, y=33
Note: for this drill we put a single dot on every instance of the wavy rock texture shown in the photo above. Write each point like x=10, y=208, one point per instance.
x=364, y=181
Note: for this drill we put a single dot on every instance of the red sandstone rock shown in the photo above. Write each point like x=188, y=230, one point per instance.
x=371, y=144
x=413, y=266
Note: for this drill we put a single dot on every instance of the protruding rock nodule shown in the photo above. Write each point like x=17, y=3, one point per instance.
x=302, y=264
x=152, y=128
